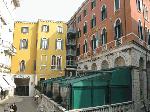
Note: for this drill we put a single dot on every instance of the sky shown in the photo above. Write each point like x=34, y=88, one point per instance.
x=58, y=10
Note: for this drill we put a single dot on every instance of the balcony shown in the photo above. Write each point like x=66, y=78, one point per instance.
x=71, y=63
x=8, y=47
x=71, y=53
x=71, y=43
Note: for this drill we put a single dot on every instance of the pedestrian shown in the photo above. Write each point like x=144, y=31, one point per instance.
x=14, y=107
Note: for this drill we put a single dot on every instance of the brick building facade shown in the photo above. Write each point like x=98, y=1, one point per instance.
x=115, y=33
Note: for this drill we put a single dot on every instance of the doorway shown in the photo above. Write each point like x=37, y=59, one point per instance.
x=22, y=86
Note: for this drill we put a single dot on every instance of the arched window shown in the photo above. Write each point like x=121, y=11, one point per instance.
x=85, y=47
x=104, y=36
x=140, y=30
x=85, y=67
x=85, y=27
x=103, y=12
x=104, y=65
x=93, y=41
x=118, y=29
x=93, y=21
x=22, y=65
x=94, y=66
x=119, y=62
x=53, y=62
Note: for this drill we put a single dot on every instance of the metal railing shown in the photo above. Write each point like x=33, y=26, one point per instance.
x=71, y=63
x=73, y=42
x=71, y=52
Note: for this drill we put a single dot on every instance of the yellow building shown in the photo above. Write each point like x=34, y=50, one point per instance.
x=41, y=53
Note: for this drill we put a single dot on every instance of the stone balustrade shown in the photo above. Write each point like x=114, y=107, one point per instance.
x=49, y=105
x=118, y=107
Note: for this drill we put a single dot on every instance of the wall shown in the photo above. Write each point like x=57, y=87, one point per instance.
x=52, y=35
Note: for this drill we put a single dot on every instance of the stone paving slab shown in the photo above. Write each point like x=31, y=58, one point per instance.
x=24, y=104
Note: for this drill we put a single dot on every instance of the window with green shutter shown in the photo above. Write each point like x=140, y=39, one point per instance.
x=117, y=4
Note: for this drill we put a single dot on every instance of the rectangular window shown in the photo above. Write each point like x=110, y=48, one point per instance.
x=117, y=4
x=60, y=29
x=59, y=44
x=139, y=4
x=23, y=43
x=44, y=43
x=45, y=28
x=24, y=30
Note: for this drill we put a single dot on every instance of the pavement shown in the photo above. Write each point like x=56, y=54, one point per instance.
x=24, y=104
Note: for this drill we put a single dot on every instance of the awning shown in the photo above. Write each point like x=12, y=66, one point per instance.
x=8, y=79
x=4, y=85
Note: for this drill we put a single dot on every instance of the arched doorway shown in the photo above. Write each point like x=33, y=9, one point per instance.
x=119, y=62
x=104, y=65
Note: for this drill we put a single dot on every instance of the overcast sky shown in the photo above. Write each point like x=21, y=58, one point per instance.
x=59, y=10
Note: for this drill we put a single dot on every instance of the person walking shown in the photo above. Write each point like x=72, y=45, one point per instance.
x=14, y=107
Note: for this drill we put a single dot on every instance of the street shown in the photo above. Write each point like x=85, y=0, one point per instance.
x=24, y=104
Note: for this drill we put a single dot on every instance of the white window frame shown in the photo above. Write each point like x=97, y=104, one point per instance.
x=25, y=30
x=23, y=43
x=102, y=37
x=59, y=44
x=59, y=29
x=115, y=6
x=141, y=5
x=44, y=43
x=24, y=66
x=45, y=28
x=53, y=65
x=59, y=66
